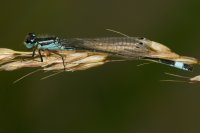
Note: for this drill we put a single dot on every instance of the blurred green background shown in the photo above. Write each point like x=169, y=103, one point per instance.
x=117, y=97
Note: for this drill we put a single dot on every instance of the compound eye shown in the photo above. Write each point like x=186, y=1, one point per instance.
x=30, y=38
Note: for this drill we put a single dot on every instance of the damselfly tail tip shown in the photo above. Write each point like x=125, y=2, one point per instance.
x=188, y=67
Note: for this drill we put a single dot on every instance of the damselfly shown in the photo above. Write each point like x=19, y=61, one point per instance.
x=128, y=47
x=124, y=46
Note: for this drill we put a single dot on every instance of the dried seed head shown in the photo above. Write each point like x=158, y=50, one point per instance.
x=6, y=54
x=158, y=47
x=187, y=60
x=196, y=78
x=73, y=60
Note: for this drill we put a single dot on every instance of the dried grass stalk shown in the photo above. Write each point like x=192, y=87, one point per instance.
x=12, y=60
x=75, y=60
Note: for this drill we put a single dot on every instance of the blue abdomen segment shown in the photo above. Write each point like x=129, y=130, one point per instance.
x=179, y=65
x=183, y=66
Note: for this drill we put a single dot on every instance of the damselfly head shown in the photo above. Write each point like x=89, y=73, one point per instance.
x=30, y=40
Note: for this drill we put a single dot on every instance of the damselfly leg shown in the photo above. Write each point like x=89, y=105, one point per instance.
x=63, y=61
